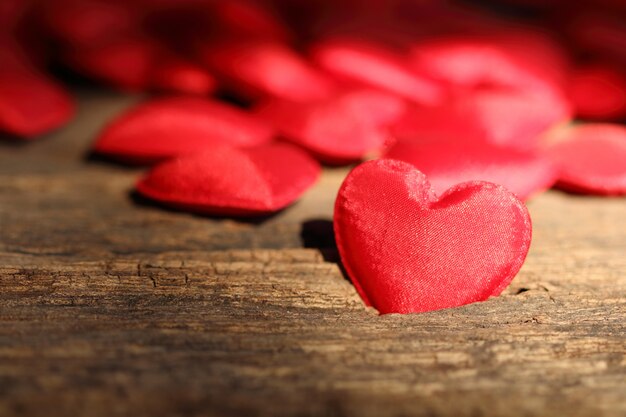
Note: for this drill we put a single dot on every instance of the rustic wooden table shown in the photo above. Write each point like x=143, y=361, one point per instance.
x=111, y=306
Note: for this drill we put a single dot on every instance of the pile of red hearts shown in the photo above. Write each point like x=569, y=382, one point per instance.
x=465, y=114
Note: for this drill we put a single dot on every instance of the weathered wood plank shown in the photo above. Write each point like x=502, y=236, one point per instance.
x=109, y=306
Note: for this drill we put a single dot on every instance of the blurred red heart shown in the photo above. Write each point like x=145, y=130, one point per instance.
x=479, y=62
x=31, y=103
x=248, y=18
x=339, y=130
x=591, y=159
x=88, y=22
x=168, y=127
x=375, y=66
x=125, y=63
x=256, y=69
x=233, y=182
x=446, y=163
x=174, y=74
x=408, y=251
x=515, y=119
x=599, y=92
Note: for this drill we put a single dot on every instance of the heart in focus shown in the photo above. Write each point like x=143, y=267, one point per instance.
x=408, y=251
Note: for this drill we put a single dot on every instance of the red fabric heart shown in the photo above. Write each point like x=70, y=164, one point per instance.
x=475, y=62
x=265, y=69
x=373, y=65
x=125, y=63
x=447, y=163
x=408, y=251
x=31, y=103
x=515, y=119
x=445, y=122
x=87, y=22
x=11, y=14
x=339, y=130
x=233, y=182
x=599, y=92
x=599, y=32
x=248, y=18
x=168, y=127
x=175, y=74
x=591, y=159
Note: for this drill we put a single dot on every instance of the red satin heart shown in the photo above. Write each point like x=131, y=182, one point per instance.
x=515, y=119
x=248, y=18
x=377, y=67
x=447, y=163
x=591, y=159
x=474, y=62
x=444, y=121
x=599, y=32
x=31, y=103
x=265, y=69
x=125, y=63
x=11, y=14
x=518, y=119
x=408, y=251
x=599, y=92
x=168, y=127
x=233, y=182
x=87, y=22
x=339, y=130
x=175, y=74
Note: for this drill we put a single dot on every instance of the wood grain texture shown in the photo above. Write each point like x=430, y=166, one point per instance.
x=110, y=306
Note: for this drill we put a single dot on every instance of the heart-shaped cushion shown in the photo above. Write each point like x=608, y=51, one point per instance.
x=169, y=127
x=31, y=104
x=263, y=68
x=123, y=62
x=372, y=64
x=598, y=91
x=590, y=158
x=178, y=75
x=474, y=61
x=516, y=119
x=339, y=130
x=449, y=162
x=233, y=182
x=408, y=251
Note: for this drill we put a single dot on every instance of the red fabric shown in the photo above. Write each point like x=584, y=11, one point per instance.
x=265, y=69
x=408, y=251
x=11, y=14
x=177, y=75
x=233, y=182
x=168, y=127
x=447, y=163
x=125, y=63
x=591, y=159
x=87, y=22
x=375, y=66
x=602, y=33
x=515, y=119
x=479, y=61
x=31, y=103
x=249, y=19
x=339, y=130
x=599, y=92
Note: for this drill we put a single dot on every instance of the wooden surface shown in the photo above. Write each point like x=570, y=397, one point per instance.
x=111, y=306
